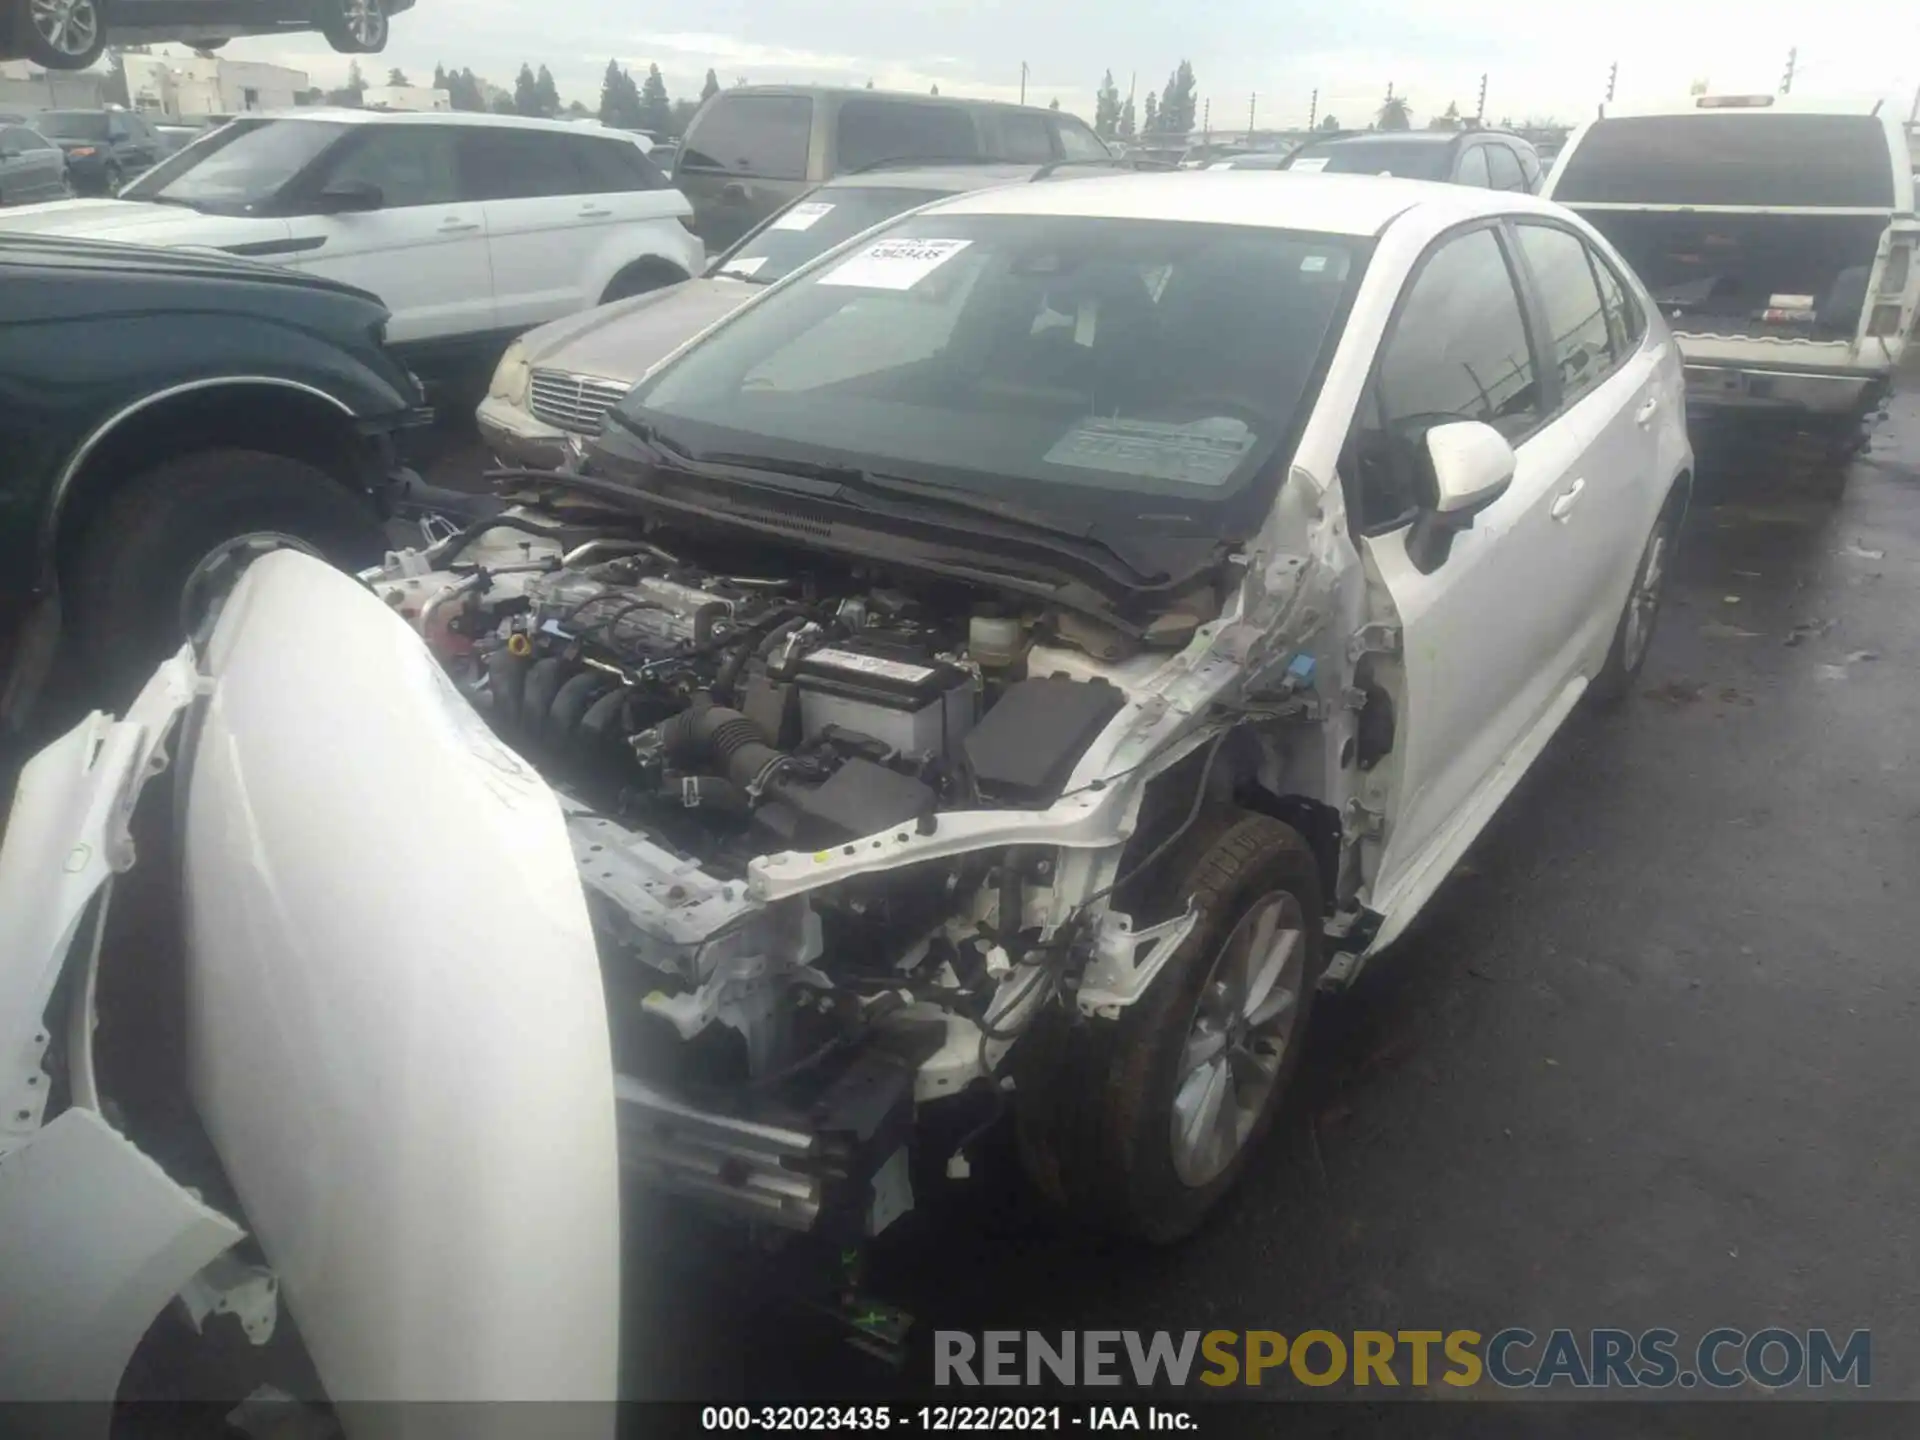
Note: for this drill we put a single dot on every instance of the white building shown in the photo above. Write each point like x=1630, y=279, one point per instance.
x=25, y=88
x=406, y=97
x=190, y=86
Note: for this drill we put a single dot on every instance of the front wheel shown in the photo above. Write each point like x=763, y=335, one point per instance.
x=129, y=573
x=1141, y=1126
x=61, y=34
x=356, y=27
x=1633, y=636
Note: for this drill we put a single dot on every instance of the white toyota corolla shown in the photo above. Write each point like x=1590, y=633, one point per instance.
x=1013, y=663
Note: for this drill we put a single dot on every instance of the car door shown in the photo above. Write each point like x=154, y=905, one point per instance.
x=1609, y=405
x=422, y=247
x=1481, y=630
x=31, y=167
x=552, y=202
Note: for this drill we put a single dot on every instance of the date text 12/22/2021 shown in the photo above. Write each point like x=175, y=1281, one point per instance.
x=943, y=1419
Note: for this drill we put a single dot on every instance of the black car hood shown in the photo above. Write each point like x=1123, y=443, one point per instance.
x=67, y=255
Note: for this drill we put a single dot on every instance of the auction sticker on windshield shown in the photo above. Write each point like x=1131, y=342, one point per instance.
x=803, y=217
x=1203, y=452
x=744, y=266
x=894, y=264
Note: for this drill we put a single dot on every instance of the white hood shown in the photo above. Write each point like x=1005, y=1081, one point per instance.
x=134, y=222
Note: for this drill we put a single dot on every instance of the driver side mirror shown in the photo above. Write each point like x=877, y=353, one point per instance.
x=1469, y=465
x=350, y=197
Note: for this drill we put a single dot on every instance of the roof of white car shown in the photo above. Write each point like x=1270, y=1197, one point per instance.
x=1282, y=199
x=343, y=116
x=1718, y=104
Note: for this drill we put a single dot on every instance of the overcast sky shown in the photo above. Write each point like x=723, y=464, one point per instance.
x=1541, y=60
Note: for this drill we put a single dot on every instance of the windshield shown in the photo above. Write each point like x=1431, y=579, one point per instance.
x=1069, y=362
x=239, y=167
x=814, y=226
x=72, y=124
x=1410, y=159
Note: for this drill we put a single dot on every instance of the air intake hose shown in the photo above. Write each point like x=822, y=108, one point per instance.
x=727, y=737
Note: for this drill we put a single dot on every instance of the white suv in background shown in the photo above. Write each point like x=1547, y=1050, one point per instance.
x=472, y=228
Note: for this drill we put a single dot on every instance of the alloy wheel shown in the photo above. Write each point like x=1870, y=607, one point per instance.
x=1235, y=1047
x=1643, y=604
x=69, y=27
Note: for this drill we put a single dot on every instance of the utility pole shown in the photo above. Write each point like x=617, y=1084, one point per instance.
x=1613, y=78
x=1313, y=110
x=1480, y=115
x=1253, y=101
x=1786, y=81
x=1206, y=122
x=1023, y=82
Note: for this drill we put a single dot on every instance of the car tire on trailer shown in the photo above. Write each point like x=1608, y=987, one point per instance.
x=60, y=34
x=1141, y=1125
x=357, y=27
x=1633, y=635
x=132, y=562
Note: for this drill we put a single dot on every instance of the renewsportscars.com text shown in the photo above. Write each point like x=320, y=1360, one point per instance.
x=1511, y=1359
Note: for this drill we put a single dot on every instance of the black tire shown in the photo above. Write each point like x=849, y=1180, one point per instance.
x=33, y=44
x=1627, y=655
x=346, y=31
x=124, y=586
x=1094, y=1104
x=639, y=279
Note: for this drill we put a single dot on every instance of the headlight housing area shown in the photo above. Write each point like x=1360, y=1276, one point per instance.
x=513, y=378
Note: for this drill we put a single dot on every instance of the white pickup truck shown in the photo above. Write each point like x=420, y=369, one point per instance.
x=1777, y=235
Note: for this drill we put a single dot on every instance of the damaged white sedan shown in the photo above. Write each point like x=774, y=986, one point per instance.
x=1011, y=664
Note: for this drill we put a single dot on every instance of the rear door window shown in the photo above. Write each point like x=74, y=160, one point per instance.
x=1473, y=168
x=870, y=131
x=1746, y=158
x=1504, y=166
x=1580, y=340
x=503, y=164
x=1625, y=319
x=612, y=167
x=765, y=137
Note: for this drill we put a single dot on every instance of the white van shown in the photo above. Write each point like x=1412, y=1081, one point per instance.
x=1776, y=234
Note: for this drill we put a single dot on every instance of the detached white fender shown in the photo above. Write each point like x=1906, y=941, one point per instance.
x=398, y=1038
x=95, y=1238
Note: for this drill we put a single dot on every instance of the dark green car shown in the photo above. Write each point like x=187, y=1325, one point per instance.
x=155, y=405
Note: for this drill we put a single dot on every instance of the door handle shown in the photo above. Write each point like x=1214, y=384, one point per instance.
x=1644, y=415
x=594, y=212
x=1564, y=502
x=458, y=227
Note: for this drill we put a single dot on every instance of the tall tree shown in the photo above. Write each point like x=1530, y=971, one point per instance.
x=397, y=76
x=1150, y=116
x=442, y=80
x=356, y=82
x=1328, y=122
x=1054, y=104
x=526, y=92
x=1124, y=130
x=1179, y=102
x=613, y=94
x=1394, y=114
x=467, y=94
x=502, y=104
x=546, y=92
x=711, y=88
x=936, y=89
x=656, y=110
x=1106, y=108
x=1448, y=121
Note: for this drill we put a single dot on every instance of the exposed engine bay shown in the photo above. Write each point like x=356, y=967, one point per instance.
x=843, y=833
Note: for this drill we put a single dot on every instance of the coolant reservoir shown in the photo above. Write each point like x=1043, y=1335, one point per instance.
x=995, y=642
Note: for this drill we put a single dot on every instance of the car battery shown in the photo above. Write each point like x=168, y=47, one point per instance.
x=912, y=704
